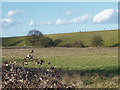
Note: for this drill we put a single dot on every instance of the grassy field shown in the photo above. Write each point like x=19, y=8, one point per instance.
x=70, y=58
x=110, y=38
x=82, y=67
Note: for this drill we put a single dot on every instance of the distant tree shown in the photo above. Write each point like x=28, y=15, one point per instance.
x=33, y=37
x=97, y=41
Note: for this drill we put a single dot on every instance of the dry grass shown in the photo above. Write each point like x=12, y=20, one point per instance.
x=57, y=51
x=94, y=81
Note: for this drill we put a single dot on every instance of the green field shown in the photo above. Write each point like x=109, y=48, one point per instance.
x=70, y=58
x=82, y=67
x=110, y=38
x=91, y=67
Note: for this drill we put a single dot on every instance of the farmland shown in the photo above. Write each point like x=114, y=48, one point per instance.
x=69, y=38
x=71, y=58
x=89, y=67
x=83, y=67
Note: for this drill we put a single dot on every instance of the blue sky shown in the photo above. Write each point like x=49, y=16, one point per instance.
x=57, y=17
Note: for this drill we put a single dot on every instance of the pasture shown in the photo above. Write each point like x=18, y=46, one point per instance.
x=69, y=38
x=83, y=67
x=70, y=58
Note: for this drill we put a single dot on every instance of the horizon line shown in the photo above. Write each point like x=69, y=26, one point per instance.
x=61, y=33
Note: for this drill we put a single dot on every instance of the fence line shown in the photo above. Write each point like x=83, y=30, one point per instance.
x=85, y=31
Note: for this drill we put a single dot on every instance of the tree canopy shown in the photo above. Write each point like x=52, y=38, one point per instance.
x=33, y=37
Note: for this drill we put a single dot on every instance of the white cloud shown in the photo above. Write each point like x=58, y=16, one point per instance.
x=81, y=19
x=106, y=16
x=77, y=20
x=31, y=23
x=8, y=23
x=40, y=23
x=59, y=22
x=45, y=23
x=15, y=13
x=6, y=20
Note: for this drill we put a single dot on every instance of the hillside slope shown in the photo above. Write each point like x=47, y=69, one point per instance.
x=110, y=38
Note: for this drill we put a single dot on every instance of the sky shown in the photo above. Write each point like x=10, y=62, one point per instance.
x=57, y=17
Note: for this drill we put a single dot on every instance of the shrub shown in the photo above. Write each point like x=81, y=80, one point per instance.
x=78, y=44
x=46, y=42
x=97, y=41
x=67, y=45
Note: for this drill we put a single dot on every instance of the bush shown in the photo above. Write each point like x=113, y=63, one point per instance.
x=78, y=44
x=56, y=42
x=46, y=42
x=97, y=41
x=67, y=45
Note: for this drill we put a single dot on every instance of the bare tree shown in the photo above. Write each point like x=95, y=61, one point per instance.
x=33, y=37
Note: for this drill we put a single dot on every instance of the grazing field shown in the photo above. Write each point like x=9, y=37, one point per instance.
x=70, y=58
x=69, y=38
x=81, y=67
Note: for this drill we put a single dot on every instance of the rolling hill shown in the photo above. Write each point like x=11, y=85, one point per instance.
x=110, y=38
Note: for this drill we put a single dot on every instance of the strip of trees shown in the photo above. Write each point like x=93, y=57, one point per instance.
x=36, y=38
